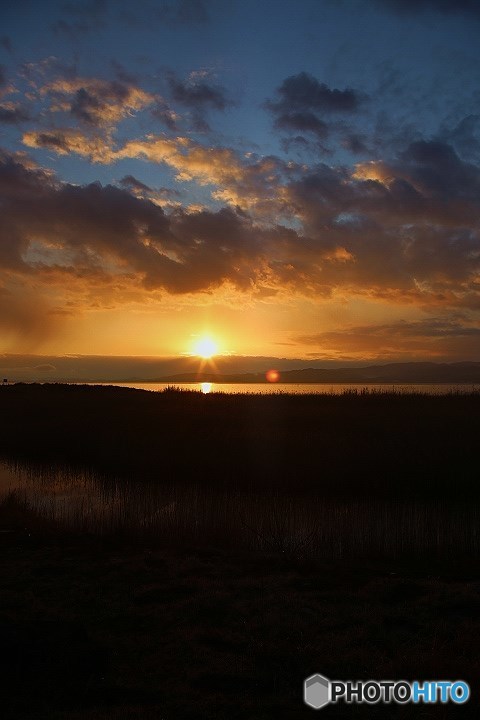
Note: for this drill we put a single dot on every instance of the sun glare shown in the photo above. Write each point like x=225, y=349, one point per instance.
x=205, y=347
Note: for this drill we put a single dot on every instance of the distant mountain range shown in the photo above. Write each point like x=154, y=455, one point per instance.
x=412, y=372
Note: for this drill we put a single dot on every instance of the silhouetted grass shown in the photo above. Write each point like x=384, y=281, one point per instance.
x=180, y=556
x=197, y=515
x=354, y=475
x=353, y=445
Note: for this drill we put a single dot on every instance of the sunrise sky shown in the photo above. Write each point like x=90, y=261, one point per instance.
x=291, y=179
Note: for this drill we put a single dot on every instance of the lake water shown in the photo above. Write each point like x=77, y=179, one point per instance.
x=306, y=388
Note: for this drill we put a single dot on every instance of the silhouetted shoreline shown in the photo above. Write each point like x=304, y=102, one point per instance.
x=411, y=372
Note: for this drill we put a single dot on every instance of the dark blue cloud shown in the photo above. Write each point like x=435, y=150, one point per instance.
x=199, y=94
x=303, y=105
x=13, y=115
x=436, y=167
x=465, y=137
x=131, y=182
x=6, y=43
x=81, y=18
x=303, y=93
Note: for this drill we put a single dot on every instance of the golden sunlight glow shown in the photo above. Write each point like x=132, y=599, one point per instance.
x=373, y=170
x=205, y=347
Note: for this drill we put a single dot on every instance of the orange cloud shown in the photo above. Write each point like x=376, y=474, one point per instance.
x=448, y=338
x=353, y=237
x=65, y=141
x=94, y=101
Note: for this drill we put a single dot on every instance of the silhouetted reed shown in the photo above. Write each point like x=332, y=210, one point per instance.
x=200, y=515
x=353, y=474
x=363, y=445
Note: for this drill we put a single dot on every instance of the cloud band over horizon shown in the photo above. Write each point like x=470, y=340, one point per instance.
x=354, y=233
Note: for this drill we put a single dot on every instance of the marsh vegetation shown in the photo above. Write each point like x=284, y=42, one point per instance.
x=182, y=555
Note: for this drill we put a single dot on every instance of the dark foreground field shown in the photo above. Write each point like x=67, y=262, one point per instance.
x=120, y=624
x=109, y=631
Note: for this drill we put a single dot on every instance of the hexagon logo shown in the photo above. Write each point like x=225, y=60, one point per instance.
x=317, y=691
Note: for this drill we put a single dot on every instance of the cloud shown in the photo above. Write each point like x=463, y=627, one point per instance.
x=164, y=113
x=198, y=94
x=303, y=92
x=85, y=17
x=132, y=183
x=302, y=122
x=6, y=43
x=302, y=102
x=94, y=101
x=6, y=88
x=445, y=186
x=436, y=167
x=303, y=148
x=304, y=105
x=167, y=196
x=64, y=141
x=411, y=225
x=355, y=143
x=54, y=229
x=46, y=367
x=36, y=73
x=465, y=137
x=13, y=113
x=93, y=228
x=248, y=182
x=403, y=230
x=122, y=74
x=449, y=337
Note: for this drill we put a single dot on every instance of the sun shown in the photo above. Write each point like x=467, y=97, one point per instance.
x=205, y=347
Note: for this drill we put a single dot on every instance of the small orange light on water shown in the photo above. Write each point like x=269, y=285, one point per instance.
x=272, y=375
